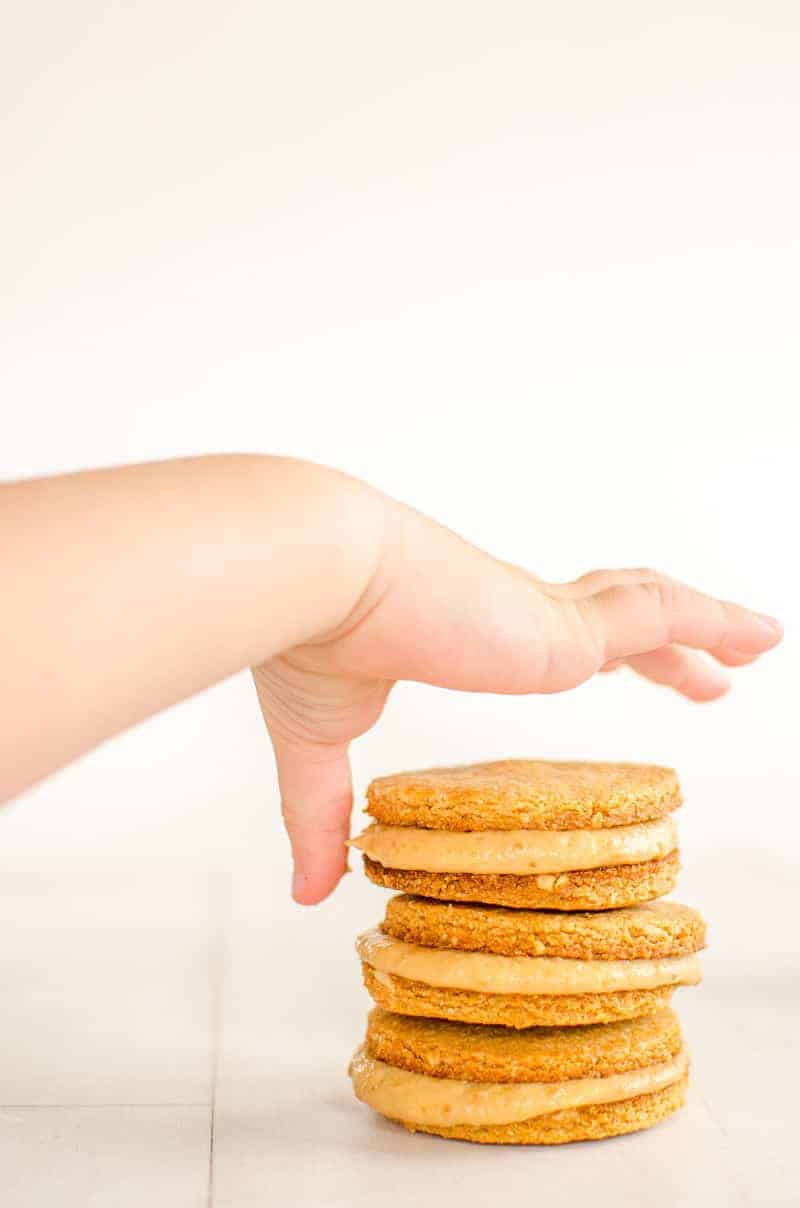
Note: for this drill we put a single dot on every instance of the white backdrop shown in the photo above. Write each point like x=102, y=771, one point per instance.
x=532, y=268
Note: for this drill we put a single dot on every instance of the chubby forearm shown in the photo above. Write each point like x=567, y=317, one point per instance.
x=126, y=590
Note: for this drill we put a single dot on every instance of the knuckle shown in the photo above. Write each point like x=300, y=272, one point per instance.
x=597, y=580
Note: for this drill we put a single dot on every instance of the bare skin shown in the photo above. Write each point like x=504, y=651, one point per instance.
x=127, y=590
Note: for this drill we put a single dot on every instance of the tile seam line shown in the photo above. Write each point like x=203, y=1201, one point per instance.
x=193, y=1103
x=219, y=890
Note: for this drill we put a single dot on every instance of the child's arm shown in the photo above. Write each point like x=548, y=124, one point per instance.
x=126, y=590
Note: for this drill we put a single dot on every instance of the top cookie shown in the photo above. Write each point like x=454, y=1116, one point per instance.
x=533, y=794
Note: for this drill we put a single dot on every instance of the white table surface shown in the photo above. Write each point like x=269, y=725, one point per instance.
x=180, y=1036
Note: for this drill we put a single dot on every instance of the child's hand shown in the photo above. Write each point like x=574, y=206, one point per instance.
x=132, y=588
x=440, y=611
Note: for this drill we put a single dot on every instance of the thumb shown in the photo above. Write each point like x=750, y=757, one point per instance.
x=316, y=799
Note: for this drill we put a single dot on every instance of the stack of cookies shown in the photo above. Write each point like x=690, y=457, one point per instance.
x=523, y=974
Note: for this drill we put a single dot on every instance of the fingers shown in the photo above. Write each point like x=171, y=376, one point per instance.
x=690, y=674
x=317, y=797
x=312, y=717
x=633, y=618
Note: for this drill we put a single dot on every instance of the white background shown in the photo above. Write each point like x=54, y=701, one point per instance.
x=532, y=268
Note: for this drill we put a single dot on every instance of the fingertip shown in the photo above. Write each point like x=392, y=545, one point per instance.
x=737, y=656
x=309, y=888
x=300, y=888
x=770, y=630
x=730, y=657
x=749, y=641
x=703, y=694
x=316, y=797
x=306, y=893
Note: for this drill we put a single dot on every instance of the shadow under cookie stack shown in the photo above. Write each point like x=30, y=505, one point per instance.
x=523, y=974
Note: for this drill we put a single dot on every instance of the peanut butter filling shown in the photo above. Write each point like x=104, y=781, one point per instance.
x=420, y=1099
x=516, y=851
x=489, y=973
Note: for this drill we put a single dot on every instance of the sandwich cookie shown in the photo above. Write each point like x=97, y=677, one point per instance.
x=543, y=1086
x=526, y=833
x=529, y=968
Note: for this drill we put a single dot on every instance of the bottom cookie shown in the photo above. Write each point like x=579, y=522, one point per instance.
x=575, y=1124
x=543, y=1086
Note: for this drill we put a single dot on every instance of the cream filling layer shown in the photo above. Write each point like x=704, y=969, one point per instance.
x=490, y=973
x=516, y=851
x=420, y=1099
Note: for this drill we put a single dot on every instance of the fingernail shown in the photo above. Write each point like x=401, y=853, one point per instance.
x=770, y=625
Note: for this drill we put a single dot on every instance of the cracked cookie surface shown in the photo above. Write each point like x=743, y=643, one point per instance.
x=525, y=793
x=650, y=931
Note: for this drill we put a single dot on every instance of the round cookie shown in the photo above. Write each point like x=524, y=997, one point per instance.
x=526, y=833
x=541, y=1086
x=409, y=997
x=647, y=932
x=477, y=1053
x=532, y=794
x=587, y=889
x=577, y=1124
x=526, y=968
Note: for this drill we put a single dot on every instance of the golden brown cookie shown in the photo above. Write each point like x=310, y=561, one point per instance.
x=511, y=1010
x=579, y=1124
x=526, y=833
x=527, y=794
x=540, y=1086
x=529, y=968
x=650, y=931
x=475, y=1053
x=588, y=889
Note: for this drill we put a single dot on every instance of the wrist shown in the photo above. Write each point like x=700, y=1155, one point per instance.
x=326, y=533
